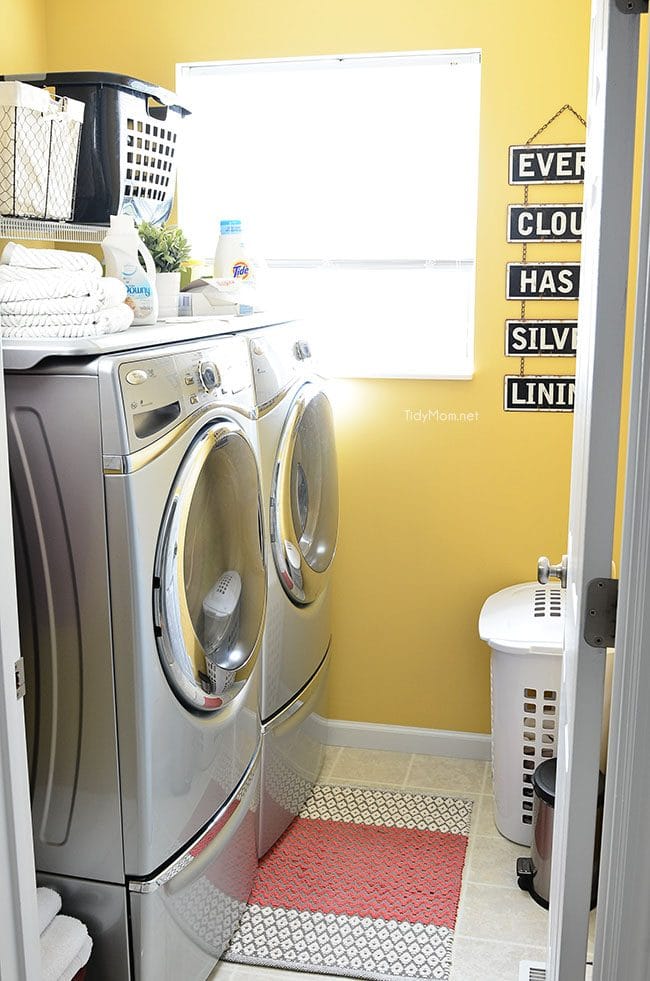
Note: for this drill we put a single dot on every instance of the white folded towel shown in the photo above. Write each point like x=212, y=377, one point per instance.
x=17, y=283
x=49, y=904
x=79, y=961
x=18, y=255
x=110, y=320
x=63, y=945
x=107, y=293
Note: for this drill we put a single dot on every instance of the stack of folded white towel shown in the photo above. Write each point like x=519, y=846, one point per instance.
x=52, y=293
x=65, y=943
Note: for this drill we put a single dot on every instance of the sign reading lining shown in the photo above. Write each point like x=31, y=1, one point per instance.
x=558, y=163
x=544, y=222
x=539, y=393
x=542, y=280
x=541, y=338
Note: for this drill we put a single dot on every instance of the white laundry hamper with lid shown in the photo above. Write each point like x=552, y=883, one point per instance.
x=524, y=626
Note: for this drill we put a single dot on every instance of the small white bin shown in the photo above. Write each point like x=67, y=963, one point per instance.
x=39, y=150
x=524, y=626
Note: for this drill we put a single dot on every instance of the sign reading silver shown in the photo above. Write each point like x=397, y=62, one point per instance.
x=544, y=222
x=539, y=393
x=558, y=163
x=543, y=280
x=541, y=338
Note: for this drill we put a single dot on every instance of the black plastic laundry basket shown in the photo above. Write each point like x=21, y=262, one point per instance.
x=127, y=157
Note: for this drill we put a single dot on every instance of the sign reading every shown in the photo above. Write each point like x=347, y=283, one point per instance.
x=542, y=280
x=539, y=393
x=544, y=222
x=559, y=163
x=541, y=338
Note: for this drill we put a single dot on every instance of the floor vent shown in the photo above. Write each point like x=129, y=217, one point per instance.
x=532, y=971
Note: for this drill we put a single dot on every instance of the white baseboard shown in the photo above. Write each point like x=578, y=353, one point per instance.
x=409, y=739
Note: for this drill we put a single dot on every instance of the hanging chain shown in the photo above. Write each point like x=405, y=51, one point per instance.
x=552, y=120
x=522, y=315
x=524, y=247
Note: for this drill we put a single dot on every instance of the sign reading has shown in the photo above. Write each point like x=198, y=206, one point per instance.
x=542, y=280
x=539, y=393
x=559, y=163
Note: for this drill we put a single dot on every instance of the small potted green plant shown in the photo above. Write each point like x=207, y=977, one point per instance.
x=169, y=250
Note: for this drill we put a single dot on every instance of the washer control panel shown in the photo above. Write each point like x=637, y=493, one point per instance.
x=159, y=392
x=209, y=375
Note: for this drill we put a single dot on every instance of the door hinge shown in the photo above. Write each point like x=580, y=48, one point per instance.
x=632, y=6
x=600, y=612
x=19, y=669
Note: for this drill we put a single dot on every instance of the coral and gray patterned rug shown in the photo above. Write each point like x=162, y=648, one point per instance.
x=364, y=884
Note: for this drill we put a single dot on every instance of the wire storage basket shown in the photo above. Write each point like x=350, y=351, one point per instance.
x=39, y=150
x=129, y=146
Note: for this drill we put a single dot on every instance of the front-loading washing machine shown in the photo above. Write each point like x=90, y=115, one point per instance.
x=142, y=589
x=300, y=487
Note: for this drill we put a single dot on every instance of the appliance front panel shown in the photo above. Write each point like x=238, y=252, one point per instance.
x=293, y=747
x=181, y=927
x=177, y=765
x=294, y=644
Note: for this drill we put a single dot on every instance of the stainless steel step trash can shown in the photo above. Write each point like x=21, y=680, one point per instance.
x=534, y=873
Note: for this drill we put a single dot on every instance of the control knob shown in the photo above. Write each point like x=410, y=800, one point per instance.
x=209, y=375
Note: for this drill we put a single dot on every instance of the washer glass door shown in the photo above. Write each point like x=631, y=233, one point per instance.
x=304, y=498
x=209, y=578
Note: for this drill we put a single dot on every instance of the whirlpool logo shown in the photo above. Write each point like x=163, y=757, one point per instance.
x=240, y=270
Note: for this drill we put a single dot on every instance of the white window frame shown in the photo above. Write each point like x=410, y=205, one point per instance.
x=342, y=61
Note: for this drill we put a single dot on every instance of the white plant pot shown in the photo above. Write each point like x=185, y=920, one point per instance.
x=168, y=286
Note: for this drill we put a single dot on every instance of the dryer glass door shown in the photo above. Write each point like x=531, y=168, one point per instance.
x=209, y=580
x=304, y=500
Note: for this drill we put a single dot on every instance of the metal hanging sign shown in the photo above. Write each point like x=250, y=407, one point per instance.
x=530, y=164
x=539, y=393
x=557, y=163
x=541, y=338
x=542, y=280
x=544, y=222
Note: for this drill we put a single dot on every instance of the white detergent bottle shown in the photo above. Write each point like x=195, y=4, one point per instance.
x=231, y=260
x=122, y=251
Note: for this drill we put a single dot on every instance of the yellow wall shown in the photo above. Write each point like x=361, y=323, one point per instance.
x=435, y=516
x=22, y=37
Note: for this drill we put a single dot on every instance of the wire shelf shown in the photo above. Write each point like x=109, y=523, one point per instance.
x=33, y=230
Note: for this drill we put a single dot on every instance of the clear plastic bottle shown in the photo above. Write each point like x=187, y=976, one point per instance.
x=122, y=250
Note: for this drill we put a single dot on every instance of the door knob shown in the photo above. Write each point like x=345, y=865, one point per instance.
x=546, y=571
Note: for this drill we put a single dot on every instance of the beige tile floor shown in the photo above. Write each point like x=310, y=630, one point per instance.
x=498, y=925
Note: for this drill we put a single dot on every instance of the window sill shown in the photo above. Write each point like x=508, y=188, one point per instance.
x=400, y=376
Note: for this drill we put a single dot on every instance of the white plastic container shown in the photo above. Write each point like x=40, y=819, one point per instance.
x=232, y=259
x=524, y=626
x=122, y=248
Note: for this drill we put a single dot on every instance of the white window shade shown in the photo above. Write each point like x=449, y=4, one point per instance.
x=356, y=180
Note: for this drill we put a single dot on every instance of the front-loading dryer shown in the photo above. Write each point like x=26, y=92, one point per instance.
x=142, y=592
x=300, y=486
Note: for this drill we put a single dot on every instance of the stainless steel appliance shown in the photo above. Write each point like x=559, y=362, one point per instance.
x=299, y=480
x=142, y=584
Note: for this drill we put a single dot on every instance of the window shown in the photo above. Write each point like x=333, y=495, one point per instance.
x=356, y=180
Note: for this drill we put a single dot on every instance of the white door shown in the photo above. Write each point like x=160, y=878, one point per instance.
x=19, y=947
x=603, y=289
